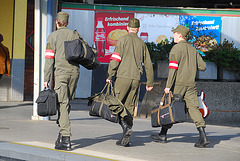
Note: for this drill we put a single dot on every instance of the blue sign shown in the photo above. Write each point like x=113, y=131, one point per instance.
x=205, y=31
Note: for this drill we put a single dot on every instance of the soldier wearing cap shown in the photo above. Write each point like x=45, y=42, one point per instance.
x=126, y=64
x=66, y=76
x=184, y=63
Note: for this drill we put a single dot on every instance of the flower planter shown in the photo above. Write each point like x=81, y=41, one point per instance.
x=210, y=73
x=224, y=74
x=162, y=69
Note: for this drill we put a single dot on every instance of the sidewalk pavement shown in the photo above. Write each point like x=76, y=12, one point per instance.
x=94, y=139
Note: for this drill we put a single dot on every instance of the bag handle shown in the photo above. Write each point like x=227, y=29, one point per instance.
x=104, y=88
x=170, y=96
x=112, y=91
x=109, y=87
x=164, y=99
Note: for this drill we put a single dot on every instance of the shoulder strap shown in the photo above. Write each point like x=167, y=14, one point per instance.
x=80, y=37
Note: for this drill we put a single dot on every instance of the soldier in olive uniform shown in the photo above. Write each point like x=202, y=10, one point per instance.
x=183, y=65
x=126, y=63
x=66, y=76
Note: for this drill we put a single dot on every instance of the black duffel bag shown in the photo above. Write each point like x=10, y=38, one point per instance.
x=170, y=111
x=106, y=105
x=47, y=102
x=80, y=52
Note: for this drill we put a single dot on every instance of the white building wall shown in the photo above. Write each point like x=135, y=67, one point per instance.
x=230, y=30
x=83, y=22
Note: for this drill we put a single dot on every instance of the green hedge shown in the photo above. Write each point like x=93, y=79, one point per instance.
x=160, y=51
x=225, y=55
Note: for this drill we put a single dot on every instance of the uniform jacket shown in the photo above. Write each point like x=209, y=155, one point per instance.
x=126, y=60
x=55, y=54
x=184, y=63
x=4, y=60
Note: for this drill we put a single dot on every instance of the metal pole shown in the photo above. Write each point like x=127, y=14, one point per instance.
x=48, y=31
x=49, y=17
x=37, y=29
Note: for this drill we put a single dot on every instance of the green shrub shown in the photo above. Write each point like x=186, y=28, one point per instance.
x=160, y=51
x=225, y=55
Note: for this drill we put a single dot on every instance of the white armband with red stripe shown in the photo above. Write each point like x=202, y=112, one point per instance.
x=116, y=56
x=173, y=65
x=49, y=54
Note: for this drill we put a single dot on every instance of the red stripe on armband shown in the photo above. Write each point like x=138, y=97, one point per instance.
x=173, y=65
x=116, y=56
x=49, y=54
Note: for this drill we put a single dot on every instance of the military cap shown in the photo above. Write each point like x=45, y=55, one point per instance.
x=181, y=29
x=134, y=23
x=62, y=16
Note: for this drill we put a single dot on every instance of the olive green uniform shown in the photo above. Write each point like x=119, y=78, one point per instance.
x=126, y=63
x=66, y=74
x=184, y=63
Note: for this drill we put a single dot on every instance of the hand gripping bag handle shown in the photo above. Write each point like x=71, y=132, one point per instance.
x=164, y=99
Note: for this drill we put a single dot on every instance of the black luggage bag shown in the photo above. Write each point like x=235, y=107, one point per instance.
x=80, y=52
x=102, y=110
x=47, y=102
x=170, y=111
x=106, y=105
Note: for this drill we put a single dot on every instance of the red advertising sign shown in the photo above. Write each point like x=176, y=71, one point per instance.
x=108, y=28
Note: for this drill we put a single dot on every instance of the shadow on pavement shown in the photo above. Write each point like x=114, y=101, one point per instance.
x=141, y=138
x=17, y=105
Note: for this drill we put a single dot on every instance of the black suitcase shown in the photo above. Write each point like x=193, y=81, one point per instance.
x=47, y=103
x=171, y=111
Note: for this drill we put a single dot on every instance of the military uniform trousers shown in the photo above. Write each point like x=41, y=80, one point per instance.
x=126, y=91
x=65, y=86
x=190, y=96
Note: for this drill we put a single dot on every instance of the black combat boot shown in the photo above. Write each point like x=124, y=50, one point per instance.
x=161, y=137
x=63, y=143
x=203, y=141
x=59, y=140
x=127, y=132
